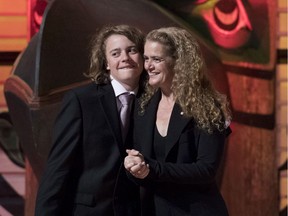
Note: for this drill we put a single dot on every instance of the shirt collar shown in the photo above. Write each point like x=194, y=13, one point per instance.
x=119, y=89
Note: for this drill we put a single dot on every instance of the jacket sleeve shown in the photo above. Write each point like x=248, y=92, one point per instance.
x=202, y=170
x=66, y=138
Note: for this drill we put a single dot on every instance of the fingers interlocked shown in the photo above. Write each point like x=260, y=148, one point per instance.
x=135, y=164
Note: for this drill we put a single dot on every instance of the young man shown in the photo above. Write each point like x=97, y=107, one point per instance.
x=85, y=173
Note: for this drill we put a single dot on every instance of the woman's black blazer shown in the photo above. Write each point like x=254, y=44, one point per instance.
x=184, y=184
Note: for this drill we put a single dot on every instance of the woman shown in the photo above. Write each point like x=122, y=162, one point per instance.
x=85, y=173
x=180, y=130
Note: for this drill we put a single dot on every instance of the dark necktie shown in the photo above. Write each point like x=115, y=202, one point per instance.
x=126, y=101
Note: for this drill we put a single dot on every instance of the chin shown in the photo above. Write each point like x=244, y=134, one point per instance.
x=153, y=84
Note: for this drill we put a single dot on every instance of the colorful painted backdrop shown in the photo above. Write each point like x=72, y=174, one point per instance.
x=249, y=38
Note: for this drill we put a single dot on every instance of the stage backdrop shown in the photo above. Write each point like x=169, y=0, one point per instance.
x=238, y=39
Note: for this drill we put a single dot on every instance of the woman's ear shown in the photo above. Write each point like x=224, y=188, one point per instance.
x=107, y=67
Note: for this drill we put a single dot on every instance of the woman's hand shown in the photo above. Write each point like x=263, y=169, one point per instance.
x=134, y=162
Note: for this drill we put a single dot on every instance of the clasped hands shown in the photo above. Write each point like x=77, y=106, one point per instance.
x=134, y=162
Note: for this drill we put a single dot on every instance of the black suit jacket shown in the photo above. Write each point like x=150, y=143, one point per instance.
x=184, y=184
x=85, y=173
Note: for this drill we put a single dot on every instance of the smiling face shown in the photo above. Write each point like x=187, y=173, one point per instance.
x=159, y=65
x=124, y=61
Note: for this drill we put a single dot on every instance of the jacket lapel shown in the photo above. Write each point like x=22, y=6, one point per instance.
x=108, y=101
x=177, y=124
x=146, y=126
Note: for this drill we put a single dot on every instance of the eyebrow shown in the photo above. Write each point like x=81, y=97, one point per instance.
x=116, y=49
x=155, y=56
x=129, y=47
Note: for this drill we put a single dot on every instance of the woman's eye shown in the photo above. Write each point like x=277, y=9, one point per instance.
x=133, y=50
x=157, y=60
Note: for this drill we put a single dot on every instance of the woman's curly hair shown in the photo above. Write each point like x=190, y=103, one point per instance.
x=97, y=71
x=191, y=87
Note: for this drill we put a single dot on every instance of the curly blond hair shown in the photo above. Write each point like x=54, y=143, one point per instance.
x=191, y=86
x=97, y=70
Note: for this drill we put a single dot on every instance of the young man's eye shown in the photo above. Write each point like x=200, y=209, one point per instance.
x=115, y=54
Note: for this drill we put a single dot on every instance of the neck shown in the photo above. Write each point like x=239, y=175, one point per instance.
x=130, y=86
x=168, y=97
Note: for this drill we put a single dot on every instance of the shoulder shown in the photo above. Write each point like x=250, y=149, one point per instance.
x=90, y=89
x=151, y=103
x=84, y=88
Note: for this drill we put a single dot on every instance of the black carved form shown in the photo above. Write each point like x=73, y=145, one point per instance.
x=57, y=56
x=10, y=200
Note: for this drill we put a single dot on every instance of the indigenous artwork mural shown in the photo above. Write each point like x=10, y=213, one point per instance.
x=36, y=10
x=238, y=41
x=240, y=32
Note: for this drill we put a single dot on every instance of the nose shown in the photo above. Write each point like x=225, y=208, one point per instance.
x=148, y=65
x=125, y=56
